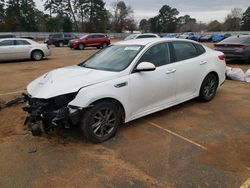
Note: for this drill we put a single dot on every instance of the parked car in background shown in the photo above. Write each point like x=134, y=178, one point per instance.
x=194, y=37
x=123, y=82
x=220, y=37
x=235, y=48
x=19, y=48
x=140, y=36
x=206, y=38
x=2, y=36
x=60, y=39
x=170, y=35
x=185, y=35
x=98, y=40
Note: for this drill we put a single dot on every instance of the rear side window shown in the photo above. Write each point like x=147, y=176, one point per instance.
x=22, y=42
x=158, y=54
x=7, y=43
x=146, y=36
x=184, y=50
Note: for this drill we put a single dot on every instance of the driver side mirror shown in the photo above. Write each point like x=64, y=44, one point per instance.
x=145, y=66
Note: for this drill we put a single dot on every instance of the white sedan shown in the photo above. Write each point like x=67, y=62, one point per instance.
x=123, y=82
x=19, y=48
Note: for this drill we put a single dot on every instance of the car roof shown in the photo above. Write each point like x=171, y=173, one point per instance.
x=148, y=41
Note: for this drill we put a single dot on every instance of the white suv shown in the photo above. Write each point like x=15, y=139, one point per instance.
x=123, y=82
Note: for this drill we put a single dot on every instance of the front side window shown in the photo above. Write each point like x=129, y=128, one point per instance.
x=159, y=55
x=22, y=42
x=184, y=50
x=114, y=58
x=7, y=43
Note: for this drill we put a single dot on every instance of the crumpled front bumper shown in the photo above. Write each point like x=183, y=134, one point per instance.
x=44, y=117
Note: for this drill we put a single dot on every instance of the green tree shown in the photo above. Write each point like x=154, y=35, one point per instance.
x=154, y=25
x=12, y=19
x=29, y=15
x=144, y=25
x=246, y=20
x=2, y=14
x=167, y=18
x=233, y=20
x=187, y=24
x=214, y=26
x=67, y=24
x=94, y=12
x=62, y=8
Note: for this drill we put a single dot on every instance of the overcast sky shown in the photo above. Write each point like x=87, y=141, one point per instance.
x=202, y=10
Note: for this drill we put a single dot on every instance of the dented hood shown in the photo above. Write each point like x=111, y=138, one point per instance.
x=67, y=80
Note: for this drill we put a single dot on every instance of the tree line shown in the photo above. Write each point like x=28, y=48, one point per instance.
x=167, y=21
x=92, y=16
x=65, y=15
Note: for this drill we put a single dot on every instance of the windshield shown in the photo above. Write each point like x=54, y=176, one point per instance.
x=83, y=37
x=114, y=58
x=133, y=36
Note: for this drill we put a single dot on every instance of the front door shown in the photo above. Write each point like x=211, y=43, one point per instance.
x=150, y=91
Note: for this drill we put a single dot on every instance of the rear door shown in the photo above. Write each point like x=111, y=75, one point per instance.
x=190, y=66
x=22, y=48
x=7, y=50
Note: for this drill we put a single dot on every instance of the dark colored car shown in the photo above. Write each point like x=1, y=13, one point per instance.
x=235, y=48
x=97, y=40
x=60, y=39
x=206, y=38
x=7, y=36
x=194, y=37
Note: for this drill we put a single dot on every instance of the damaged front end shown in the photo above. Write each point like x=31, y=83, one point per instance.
x=45, y=115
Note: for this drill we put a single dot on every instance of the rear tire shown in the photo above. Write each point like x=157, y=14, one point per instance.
x=208, y=88
x=37, y=55
x=81, y=46
x=100, y=122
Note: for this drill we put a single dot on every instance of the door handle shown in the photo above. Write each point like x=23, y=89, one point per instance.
x=203, y=62
x=171, y=71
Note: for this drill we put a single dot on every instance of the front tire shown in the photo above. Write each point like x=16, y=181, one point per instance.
x=100, y=122
x=81, y=46
x=208, y=88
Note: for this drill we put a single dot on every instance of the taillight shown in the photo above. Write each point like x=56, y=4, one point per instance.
x=240, y=46
x=221, y=57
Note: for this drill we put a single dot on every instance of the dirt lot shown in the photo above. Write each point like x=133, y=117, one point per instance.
x=191, y=145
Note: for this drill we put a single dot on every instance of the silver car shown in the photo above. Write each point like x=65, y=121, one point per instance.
x=19, y=48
